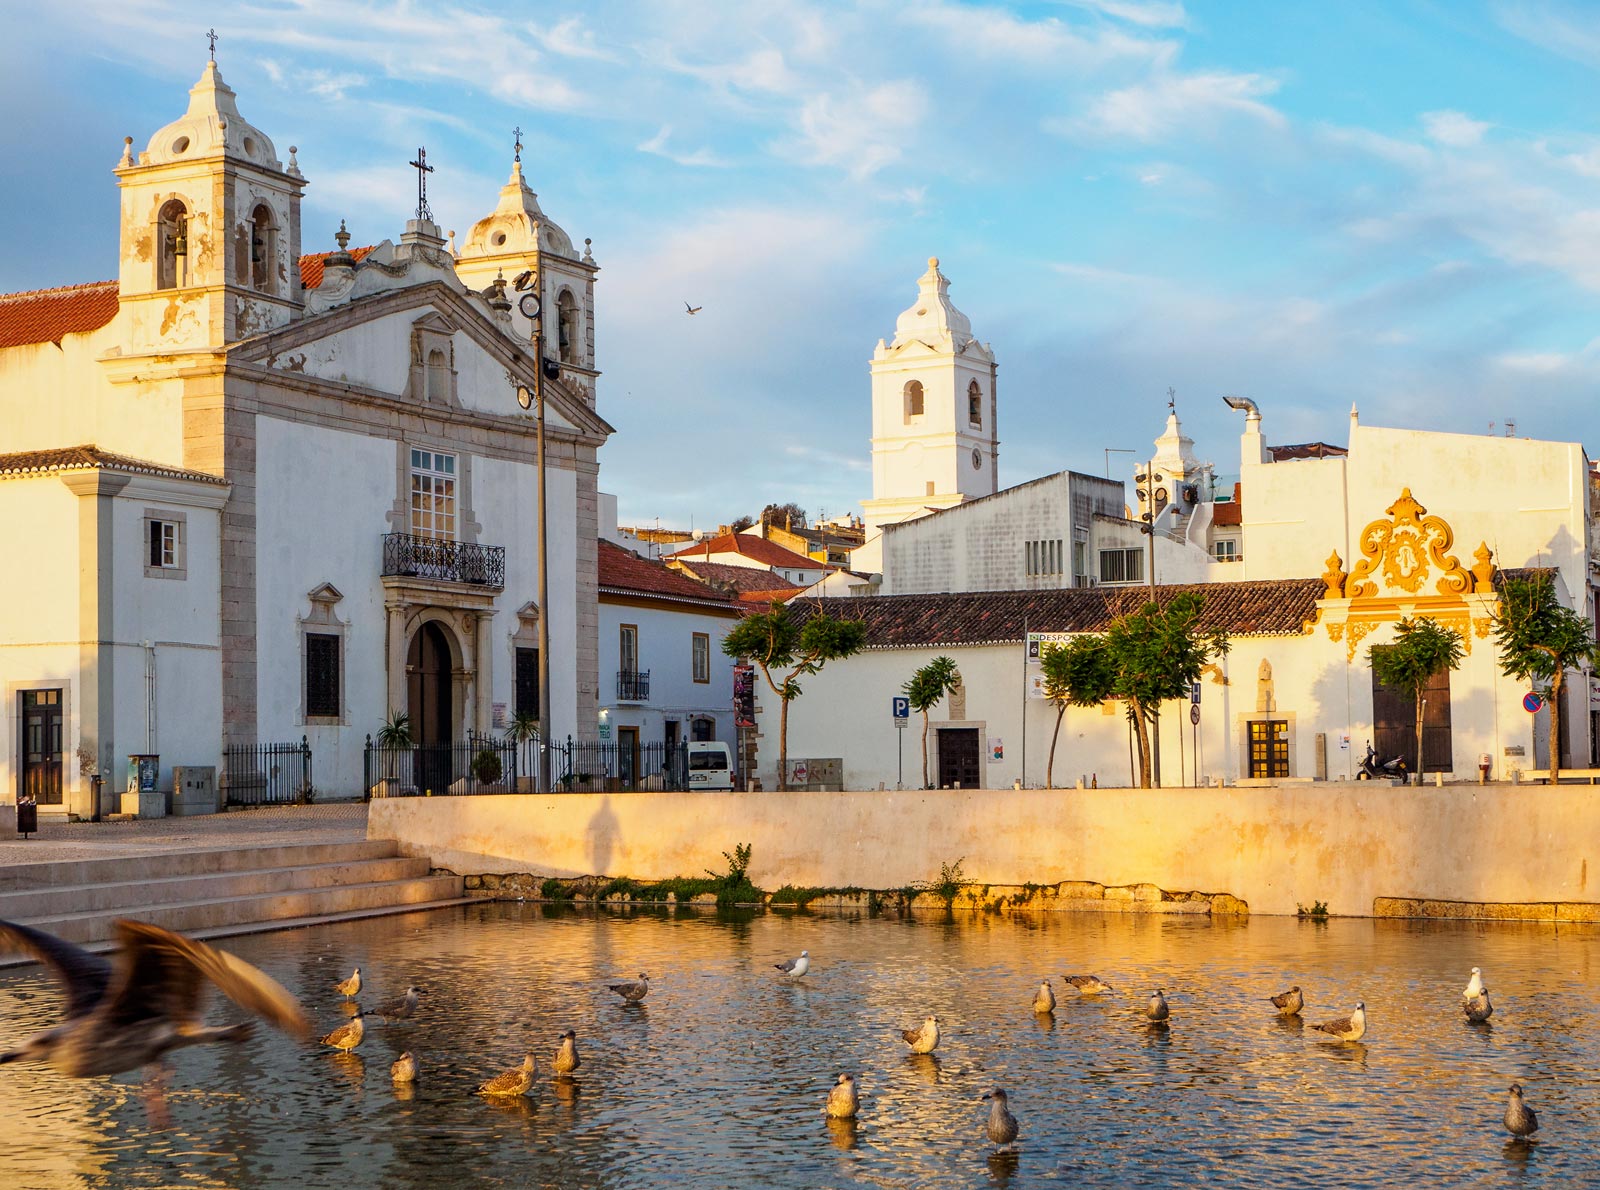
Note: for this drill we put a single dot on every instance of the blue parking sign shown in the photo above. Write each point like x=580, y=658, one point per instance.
x=902, y=707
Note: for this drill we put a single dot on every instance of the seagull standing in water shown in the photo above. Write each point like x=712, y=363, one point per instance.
x=404, y=1069
x=398, y=1010
x=1289, y=1003
x=1001, y=1126
x=632, y=990
x=843, y=1101
x=1474, y=986
x=348, y=1035
x=1520, y=1120
x=925, y=1038
x=1088, y=985
x=1478, y=1010
x=134, y=1012
x=1157, y=1010
x=1044, y=1000
x=795, y=968
x=566, y=1060
x=1347, y=1028
x=349, y=987
x=516, y=1081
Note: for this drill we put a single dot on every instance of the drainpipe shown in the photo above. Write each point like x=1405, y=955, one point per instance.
x=149, y=695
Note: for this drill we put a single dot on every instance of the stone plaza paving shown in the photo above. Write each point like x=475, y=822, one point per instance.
x=263, y=826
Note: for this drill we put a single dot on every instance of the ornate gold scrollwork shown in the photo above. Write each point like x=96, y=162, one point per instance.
x=1407, y=548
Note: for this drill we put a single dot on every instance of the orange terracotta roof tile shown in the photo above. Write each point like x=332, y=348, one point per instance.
x=727, y=577
x=311, y=265
x=49, y=315
x=780, y=595
x=625, y=572
x=748, y=545
x=90, y=457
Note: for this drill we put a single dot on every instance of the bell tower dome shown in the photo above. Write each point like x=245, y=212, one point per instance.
x=210, y=238
x=518, y=241
x=935, y=442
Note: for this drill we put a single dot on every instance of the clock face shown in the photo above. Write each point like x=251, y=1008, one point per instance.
x=529, y=305
x=977, y=459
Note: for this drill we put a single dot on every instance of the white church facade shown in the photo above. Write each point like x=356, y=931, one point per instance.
x=273, y=497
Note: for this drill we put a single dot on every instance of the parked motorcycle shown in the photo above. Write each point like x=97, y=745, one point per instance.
x=1372, y=769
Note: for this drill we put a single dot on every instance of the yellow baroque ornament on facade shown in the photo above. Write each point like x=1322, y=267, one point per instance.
x=1406, y=549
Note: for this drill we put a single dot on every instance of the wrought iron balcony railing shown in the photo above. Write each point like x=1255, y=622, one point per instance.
x=633, y=685
x=447, y=561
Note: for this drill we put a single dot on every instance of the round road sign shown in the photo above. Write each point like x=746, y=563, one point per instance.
x=1532, y=703
x=1194, y=713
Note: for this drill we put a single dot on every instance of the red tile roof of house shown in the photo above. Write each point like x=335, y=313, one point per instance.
x=1272, y=607
x=748, y=545
x=775, y=595
x=90, y=457
x=728, y=577
x=624, y=572
x=49, y=315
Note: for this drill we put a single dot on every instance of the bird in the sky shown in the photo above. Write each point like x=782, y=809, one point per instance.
x=130, y=1013
x=692, y=309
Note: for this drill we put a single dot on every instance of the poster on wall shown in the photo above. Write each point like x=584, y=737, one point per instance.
x=1038, y=644
x=997, y=749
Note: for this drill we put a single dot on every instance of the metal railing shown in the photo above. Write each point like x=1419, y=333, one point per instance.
x=267, y=774
x=447, y=561
x=633, y=685
x=589, y=766
x=482, y=764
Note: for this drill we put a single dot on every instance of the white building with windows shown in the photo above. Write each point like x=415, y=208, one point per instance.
x=271, y=496
x=664, y=676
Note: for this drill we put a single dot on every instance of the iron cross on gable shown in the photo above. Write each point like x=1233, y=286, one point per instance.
x=517, y=132
x=211, y=37
x=423, y=170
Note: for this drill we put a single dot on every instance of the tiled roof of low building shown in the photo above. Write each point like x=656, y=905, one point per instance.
x=49, y=315
x=625, y=572
x=90, y=457
x=726, y=576
x=1272, y=607
x=773, y=595
x=755, y=548
x=1229, y=513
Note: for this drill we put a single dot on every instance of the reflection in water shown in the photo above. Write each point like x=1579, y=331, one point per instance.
x=724, y=1071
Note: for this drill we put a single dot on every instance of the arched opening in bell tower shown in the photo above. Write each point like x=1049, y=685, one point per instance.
x=914, y=400
x=172, y=245
x=263, y=247
x=567, y=323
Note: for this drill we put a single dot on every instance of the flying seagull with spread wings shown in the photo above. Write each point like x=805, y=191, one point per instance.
x=132, y=1012
x=692, y=309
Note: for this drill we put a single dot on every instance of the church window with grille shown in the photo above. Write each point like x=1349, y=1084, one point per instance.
x=322, y=675
x=263, y=248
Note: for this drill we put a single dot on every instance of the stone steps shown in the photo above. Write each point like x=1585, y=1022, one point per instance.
x=213, y=893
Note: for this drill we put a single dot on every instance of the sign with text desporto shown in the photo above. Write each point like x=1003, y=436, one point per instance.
x=1038, y=644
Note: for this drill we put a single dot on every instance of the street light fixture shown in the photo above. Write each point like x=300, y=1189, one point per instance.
x=1146, y=482
x=532, y=309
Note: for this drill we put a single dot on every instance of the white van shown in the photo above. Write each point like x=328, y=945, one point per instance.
x=710, y=765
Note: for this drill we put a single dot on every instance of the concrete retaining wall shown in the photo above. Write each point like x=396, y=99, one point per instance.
x=1274, y=848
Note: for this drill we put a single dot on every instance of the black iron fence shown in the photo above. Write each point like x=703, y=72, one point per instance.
x=267, y=774
x=482, y=764
x=449, y=561
x=488, y=764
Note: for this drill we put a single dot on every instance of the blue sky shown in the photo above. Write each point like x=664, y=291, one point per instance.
x=1393, y=205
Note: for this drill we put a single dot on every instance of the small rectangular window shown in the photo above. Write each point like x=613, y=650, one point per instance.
x=163, y=543
x=628, y=648
x=702, y=657
x=1122, y=565
x=1225, y=551
x=322, y=675
x=433, y=494
x=526, y=693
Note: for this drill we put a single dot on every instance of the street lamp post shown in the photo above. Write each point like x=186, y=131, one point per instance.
x=532, y=308
x=1147, y=481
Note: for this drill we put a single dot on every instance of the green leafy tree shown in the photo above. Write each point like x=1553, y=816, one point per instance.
x=1079, y=673
x=925, y=690
x=773, y=641
x=1422, y=649
x=1156, y=653
x=784, y=516
x=1540, y=638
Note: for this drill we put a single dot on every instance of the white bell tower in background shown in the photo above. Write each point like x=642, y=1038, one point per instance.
x=934, y=440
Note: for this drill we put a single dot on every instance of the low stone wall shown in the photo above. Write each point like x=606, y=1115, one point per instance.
x=1361, y=849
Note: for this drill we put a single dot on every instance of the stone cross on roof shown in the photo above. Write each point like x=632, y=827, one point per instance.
x=423, y=170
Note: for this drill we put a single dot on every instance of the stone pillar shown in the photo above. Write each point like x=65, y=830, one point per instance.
x=395, y=650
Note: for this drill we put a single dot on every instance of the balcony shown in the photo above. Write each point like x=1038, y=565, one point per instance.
x=463, y=562
x=633, y=685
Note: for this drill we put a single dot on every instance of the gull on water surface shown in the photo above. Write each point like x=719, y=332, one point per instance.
x=1478, y=1010
x=1044, y=1000
x=1474, y=985
x=566, y=1059
x=1088, y=985
x=516, y=1081
x=398, y=1010
x=843, y=1101
x=1157, y=1009
x=1289, y=1003
x=1347, y=1028
x=924, y=1039
x=1520, y=1120
x=1001, y=1126
x=348, y=1035
x=349, y=987
x=795, y=968
x=632, y=990
x=128, y=1013
x=404, y=1068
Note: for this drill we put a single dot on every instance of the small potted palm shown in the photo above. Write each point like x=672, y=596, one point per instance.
x=393, y=738
x=522, y=731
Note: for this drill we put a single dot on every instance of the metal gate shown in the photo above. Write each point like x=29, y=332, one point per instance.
x=960, y=758
x=267, y=774
x=1394, y=724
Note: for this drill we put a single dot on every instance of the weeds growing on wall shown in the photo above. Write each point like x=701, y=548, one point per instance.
x=1317, y=912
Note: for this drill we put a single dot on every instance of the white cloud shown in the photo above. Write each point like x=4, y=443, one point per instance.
x=1454, y=129
x=996, y=33
x=861, y=131
x=701, y=158
x=1170, y=104
x=1155, y=14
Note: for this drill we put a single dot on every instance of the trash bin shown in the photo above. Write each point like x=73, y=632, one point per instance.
x=27, y=817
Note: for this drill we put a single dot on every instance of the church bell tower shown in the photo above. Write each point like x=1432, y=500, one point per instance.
x=935, y=443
